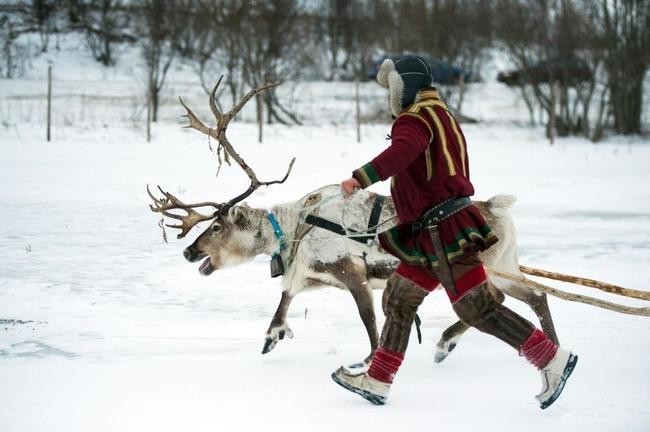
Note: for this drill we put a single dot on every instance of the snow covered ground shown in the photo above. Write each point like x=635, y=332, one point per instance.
x=103, y=327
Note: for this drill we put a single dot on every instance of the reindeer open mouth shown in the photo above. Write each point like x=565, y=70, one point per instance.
x=206, y=268
x=192, y=254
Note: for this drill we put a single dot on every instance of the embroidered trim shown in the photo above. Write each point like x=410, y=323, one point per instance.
x=453, y=251
x=461, y=142
x=443, y=140
x=367, y=175
x=432, y=103
x=426, y=94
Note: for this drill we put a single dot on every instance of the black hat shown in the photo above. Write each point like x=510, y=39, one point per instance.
x=404, y=77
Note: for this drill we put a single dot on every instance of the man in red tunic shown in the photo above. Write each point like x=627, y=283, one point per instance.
x=438, y=237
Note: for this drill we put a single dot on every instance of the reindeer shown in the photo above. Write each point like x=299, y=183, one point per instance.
x=314, y=257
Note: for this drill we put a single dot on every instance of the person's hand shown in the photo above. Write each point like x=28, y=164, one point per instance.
x=350, y=186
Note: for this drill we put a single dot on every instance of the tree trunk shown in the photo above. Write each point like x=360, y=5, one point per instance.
x=627, y=100
x=154, y=106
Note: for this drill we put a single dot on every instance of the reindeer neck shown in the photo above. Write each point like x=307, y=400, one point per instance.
x=287, y=218
x=267, y=241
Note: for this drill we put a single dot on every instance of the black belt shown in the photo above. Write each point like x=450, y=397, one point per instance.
x=440, y=212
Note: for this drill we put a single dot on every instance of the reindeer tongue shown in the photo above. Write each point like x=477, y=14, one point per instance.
x=206, y=266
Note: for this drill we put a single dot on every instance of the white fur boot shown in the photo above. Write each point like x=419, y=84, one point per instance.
x=555, y=375
x=362, y=384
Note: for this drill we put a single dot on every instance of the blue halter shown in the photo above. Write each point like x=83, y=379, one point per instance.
x=279, y=234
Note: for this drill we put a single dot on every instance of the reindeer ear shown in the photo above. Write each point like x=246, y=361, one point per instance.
x=238, y=215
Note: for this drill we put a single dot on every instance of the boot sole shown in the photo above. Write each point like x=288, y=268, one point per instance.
x=370, y=397
x=568, y=369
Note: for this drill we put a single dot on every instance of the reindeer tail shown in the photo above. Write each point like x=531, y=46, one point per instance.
x=501, y=201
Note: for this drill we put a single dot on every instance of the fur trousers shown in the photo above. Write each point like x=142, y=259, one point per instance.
x=475, y=302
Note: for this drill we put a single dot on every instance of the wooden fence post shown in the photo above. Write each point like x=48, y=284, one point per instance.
x=358, y=108
x=461, y=92
x=149, y=112
x=49, y=102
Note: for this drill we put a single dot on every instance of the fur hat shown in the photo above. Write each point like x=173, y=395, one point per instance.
x=404, y=78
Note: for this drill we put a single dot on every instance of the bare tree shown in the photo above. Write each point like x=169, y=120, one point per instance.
x=105, y=23
x=551, y=43
x=15, y=20
x=342, y=26
x=272, y=49
x=210, y=40
x=625, y=34
x=159, y=30
x=42, y=16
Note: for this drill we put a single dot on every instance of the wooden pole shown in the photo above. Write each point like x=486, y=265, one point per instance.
x=358, y=109
x=49, y=102
x=641, y=311
x=603, y=286
x=83, y=107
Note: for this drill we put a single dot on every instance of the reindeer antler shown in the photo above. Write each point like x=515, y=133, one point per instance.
x=170, y=202
x=219, y=134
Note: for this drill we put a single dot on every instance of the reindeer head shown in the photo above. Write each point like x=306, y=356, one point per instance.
x=230, y=239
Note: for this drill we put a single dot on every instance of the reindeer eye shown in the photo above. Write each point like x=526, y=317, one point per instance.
x=216, y=228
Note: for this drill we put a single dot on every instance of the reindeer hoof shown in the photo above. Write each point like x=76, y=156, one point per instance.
x=269, y=344
x=442, y=354
x=274, y=335
x=444, y=347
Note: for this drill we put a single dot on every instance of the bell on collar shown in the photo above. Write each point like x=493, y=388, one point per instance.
x=277, y=267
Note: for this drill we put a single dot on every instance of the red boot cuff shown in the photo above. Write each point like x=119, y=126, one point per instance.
x=385, y=364
x=538, y=349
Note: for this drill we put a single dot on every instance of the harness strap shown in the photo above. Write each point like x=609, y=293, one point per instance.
x=338, y=228
x=376, y=214
x=327, y=224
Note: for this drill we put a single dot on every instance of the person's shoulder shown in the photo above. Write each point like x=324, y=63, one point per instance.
x=410, y=119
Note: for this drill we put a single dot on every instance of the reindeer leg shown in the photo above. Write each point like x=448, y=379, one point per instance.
x=448, y=340
x=352, y=273
x=362, y=294
x=452, y=334
x=279, y=327
x=539, y=305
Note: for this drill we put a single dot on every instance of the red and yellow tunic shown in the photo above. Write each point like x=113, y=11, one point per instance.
x=427, y=161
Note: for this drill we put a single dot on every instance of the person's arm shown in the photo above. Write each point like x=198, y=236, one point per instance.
x=410, y=137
